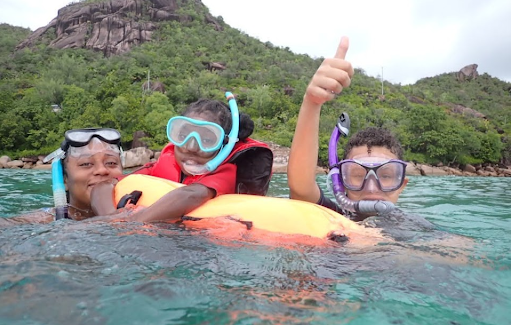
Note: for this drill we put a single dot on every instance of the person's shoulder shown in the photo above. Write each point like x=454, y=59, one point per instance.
x=43, y=212
x=417, y=219
x=401, y=219
x=44, y=215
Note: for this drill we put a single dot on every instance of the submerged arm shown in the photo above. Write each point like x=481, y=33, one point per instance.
x=29, y=218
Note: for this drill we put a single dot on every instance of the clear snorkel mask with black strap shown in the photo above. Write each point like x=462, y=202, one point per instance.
x=76, y=144
x=378, y=207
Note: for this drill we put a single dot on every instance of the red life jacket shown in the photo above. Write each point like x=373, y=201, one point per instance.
x=253, y=159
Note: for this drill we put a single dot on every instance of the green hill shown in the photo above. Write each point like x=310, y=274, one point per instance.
x=438, y=119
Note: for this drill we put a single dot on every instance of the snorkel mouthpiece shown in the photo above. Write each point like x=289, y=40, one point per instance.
x=364, y=206
x=196, y=169
x=361, y=207
x=381, y=207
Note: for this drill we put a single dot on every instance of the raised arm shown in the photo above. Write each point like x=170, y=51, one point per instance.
x=329, y=80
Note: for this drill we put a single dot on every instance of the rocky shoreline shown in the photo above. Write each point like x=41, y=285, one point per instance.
x=413, y=169
x=139, y=156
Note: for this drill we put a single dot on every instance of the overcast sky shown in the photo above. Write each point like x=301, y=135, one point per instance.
x=406, y=39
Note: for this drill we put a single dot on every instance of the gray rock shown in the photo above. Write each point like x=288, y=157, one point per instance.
x=137, y=157
x=4, y=160
x=112, y=27
x=15, y=164
x=469, y=72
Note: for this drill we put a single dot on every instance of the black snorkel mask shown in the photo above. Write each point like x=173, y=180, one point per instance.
x=342, y=128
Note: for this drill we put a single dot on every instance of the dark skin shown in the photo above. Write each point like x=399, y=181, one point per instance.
x=82, y=174
x=32, y=218
x=172, y=206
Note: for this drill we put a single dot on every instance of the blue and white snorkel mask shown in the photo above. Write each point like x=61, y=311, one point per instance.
x=208, y=136
x=337, y=185
x=75, y=144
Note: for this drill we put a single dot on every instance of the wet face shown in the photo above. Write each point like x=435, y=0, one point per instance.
x=371, y=190
x=190, y=153
x=85, y=171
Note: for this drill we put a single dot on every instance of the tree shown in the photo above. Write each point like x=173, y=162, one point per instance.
x=159, y=111
x=260, y=99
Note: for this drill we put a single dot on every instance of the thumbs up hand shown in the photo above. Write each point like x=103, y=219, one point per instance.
x=331, y=77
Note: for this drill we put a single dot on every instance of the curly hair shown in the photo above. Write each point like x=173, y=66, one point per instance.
x=374, y=137
x=221, y=114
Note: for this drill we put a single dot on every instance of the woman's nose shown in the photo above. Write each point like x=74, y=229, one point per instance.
x=100, y=169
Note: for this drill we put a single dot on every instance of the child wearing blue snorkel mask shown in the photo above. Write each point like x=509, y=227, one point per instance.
x=208, y=150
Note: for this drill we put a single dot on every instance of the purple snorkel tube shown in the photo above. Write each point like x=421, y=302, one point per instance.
x=363, y=207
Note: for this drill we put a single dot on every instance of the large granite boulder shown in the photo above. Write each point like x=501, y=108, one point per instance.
x=137, y=139
x=137, y=157
x=111, y=27
x=150, y=86
x=460, y=109
x=469, y=72
x=4, y=160
x=15, y=164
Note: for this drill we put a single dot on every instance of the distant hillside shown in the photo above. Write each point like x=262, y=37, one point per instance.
x=90, y=63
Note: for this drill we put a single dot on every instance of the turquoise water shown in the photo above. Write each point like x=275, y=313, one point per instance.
x=128, y=273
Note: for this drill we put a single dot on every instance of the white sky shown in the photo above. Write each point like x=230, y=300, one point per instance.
x=406, y=39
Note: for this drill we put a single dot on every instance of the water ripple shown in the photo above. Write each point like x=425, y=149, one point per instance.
x=457, y=271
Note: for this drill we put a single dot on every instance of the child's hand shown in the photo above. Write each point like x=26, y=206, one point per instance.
x=331, y=77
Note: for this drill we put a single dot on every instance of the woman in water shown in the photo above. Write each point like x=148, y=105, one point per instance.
x=86, y=157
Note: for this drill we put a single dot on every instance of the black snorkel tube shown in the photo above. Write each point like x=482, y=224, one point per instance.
x=361, y=207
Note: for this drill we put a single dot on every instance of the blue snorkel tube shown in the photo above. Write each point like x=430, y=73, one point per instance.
x=59, y=189
x=364, y=206
x=224, y=152
x=232, y=137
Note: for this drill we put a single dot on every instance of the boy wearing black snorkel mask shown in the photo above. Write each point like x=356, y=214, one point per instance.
x=205, y=142
x=370, y=178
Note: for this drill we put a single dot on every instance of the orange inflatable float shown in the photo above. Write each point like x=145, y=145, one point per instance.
x=277, y=215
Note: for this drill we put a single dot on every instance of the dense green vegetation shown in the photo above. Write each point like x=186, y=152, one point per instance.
x=93, y=90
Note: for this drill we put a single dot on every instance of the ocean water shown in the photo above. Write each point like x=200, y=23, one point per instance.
x=447, y=263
